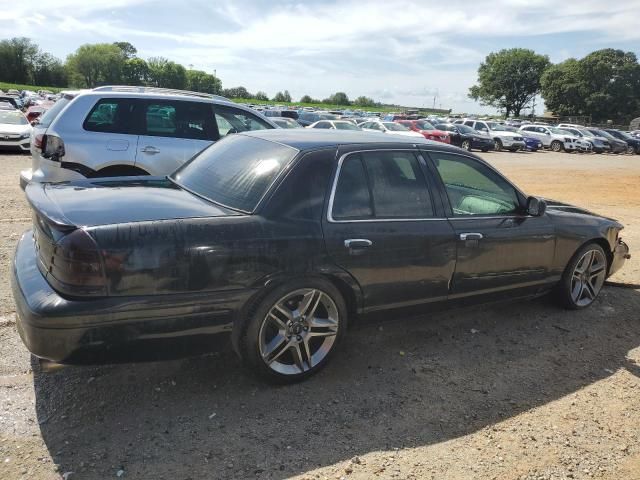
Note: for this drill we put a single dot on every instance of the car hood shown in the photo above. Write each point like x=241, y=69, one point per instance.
x=108, y=201
x=554, y=206
x=13, y=129
x=435, y=132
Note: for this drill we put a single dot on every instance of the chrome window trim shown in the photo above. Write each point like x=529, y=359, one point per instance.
x=334, y=185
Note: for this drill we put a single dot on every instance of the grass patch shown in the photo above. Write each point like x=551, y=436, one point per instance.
x=8, y=86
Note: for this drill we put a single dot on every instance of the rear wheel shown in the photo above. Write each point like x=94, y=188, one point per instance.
x=294, y=330
x=583, y=277
x=631, y=150
x=498, y=146
x=556, y=146
x=466, y=145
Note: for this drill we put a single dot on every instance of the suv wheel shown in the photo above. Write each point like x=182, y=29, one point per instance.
x=556, y=146
x=498, y=145
x=293, y=331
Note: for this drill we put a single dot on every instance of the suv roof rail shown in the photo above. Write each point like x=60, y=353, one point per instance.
x=168, y=91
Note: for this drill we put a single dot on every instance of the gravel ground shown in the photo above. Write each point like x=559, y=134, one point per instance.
x=521, y=390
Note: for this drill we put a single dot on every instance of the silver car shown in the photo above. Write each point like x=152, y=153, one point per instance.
x=121, y=131
x=556, y=139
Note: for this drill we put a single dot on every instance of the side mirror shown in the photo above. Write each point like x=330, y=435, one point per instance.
x=536, y=206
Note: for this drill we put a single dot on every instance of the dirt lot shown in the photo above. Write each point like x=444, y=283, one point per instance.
x=512, y=391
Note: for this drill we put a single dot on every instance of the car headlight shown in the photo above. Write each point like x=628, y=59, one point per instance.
x=25, y=135
x=567, y=139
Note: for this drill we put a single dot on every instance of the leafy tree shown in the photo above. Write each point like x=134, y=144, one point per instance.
x=605, y=84
x=200, y=81
x=17, y=57
x=280, y=97
x=308, y=99
x=128, y=50
x=48, y=70
x=135, y=71
x=364, y=102
x=287, y=96
x=99, y=63
x=338, y=98
x=166, y=74
x=509, y=79
x=236, y=92
x=261, y=96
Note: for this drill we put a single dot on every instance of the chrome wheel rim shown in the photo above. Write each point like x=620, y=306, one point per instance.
x=498, y=145
x=555, y=146
x=466, y=145
x=588, y=278
x=299, y=331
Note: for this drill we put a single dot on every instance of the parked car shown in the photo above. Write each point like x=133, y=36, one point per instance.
x=13, y=101
x=633, y=144
x=15, y=130
x=598, y=144
x=281, y=113
x=556, y=139
x=427, y=130
x=391, y=128
x=119, y=131
x=307, y=118
x=617, y=145
x=284, y=122
x=334, y=125
x=34, y=112
x=273, y=240
x=532, y=144
x=503, y=138
x=466, y=137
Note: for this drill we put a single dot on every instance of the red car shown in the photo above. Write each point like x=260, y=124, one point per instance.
x=425, y=128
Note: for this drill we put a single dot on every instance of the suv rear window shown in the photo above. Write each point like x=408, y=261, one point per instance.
x=111, y=115
x=51, y=114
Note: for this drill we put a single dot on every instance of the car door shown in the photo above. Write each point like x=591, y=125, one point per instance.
x=173, y=131
x=384, y=228
x=499, y=246
x=108, y=136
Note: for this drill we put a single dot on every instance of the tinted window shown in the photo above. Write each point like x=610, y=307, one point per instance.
x=325, y=125
x=110, y=115
x=301, y=195
x=236, y=171
x=234, y=120
x=351, y=199
x=469, y=124
x=179, y=119
x=397, y=184
x=473, y=188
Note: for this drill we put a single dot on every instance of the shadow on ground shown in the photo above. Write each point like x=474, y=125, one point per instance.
x=207, y=418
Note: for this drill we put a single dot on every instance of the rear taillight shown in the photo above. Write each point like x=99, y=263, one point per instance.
x=37, y=141
x=76, y=267
x=52, y=147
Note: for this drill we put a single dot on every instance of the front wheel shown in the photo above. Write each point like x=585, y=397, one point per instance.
x=466, y=145
x=498, y=146
x=294, y=330
x=556, y=146
x=583, y=277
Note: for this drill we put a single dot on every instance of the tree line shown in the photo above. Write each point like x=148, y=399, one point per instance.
x=118, y=63
x=604, y=85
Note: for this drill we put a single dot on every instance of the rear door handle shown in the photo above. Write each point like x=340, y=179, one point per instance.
x=357, y=246
x=150, y=150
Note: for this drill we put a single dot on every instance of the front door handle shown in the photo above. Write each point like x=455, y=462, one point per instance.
x=471, y=240
x=150, y=150
x=357, y=246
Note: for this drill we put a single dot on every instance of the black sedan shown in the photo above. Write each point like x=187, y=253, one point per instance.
x=466, y=137
x=276, y=239
x=633, y=143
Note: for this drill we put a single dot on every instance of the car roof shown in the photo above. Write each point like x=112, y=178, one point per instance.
x=311, y=139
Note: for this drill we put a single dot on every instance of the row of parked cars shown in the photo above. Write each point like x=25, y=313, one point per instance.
x=223, y=228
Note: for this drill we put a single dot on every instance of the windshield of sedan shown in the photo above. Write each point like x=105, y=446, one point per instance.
x=235, y=172
x=602, y=133
x=423, y=125
x=466, y=129
x=345, y=126
x=13, y=118
x=395, y=127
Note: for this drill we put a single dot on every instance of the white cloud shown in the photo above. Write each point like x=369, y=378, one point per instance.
x=401, y=49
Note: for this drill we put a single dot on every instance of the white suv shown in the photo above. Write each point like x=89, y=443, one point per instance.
x=120, y=131
x=556, y=139
x=503, y=137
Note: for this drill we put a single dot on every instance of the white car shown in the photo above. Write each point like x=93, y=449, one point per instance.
x=335, y=125
x=15, y=130
x=501, y=135
x=556, y=139
x=392, y=128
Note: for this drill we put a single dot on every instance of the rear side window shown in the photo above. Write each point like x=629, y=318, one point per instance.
x=383, y=185
x=51, y=114
x=233, y=120
x=192, y=120
x=111, y=115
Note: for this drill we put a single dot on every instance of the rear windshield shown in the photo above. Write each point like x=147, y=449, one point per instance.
x=235, y=172
x=51, y=114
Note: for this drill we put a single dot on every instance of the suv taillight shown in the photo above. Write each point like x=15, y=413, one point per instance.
x=52, y=147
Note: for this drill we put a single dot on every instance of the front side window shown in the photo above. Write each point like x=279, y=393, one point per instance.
x=381, y=185
x=233, y=120
x=469, y=124
x=178, y=119
x=324, y=125
x=110, y=115
x=473, y=188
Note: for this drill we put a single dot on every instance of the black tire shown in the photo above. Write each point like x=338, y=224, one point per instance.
x=250, y=341
x=466, y=145
x=556, y=146
x=485, y=150
x=630, y=150
x=498, y=146
x=565, y=287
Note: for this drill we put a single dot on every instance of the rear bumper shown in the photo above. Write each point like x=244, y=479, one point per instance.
x=620, y=255
x=109, y=329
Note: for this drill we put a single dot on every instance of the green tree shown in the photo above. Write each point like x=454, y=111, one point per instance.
x=135, y=71
x=236, y=92
x=308, y=99
x=166, y=74
x=287, y=96
x=605, y=85
x=48, y=70
x=17, y=59
x=509, y=79
x=200, y=81
x=363, y=101
x=261, y=96
x=128, y=50
x=94, y=64
x=338, y=98
x=280, y=97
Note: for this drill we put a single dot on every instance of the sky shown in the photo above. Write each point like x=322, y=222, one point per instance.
x=395, y=51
